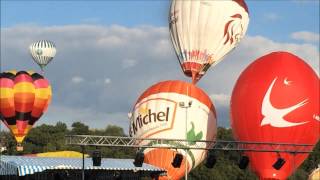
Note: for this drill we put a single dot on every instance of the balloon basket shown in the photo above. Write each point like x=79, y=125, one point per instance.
x=19, y=148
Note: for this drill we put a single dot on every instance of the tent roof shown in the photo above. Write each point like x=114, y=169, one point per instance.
x=21, y=165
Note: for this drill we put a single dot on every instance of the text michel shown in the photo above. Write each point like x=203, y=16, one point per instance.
x=148, y=118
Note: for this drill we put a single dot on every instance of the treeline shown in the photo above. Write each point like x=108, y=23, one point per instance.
x=48, y=138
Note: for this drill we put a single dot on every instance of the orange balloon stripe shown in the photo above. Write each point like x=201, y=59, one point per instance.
x=40, y=103
x=42, y=99
x=8, y=112
x=163, y=158
x=37, y=112
x=24, y=97
x=6, y=102
x=24, y=107
x=48, y=102
x=24, y=102
x=179, y=87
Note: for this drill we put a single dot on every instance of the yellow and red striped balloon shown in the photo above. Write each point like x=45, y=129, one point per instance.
x=24, y=96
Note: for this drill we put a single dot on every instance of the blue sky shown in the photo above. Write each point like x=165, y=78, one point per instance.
x=109, y=52
x=273, y=19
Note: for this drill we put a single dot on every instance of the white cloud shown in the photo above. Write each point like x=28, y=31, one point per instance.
x=132, y=59
x=128, y=63
x=107, y=81
x=221, y=99
x=271, y=16
x=77, y=79
x=305, y=36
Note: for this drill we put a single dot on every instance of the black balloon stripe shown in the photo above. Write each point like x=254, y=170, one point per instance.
x=34, y=119
x=10, y=120
x=7, y=75
x=24, y=116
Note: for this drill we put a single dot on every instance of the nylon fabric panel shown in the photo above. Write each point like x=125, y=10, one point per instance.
x=23, y=102
x=6, y=93
x=38, y=111
x=48, y=102
x=42, y=98
x=6, y=83
x=22, y=77
x=41, y=83
x=7, y=104
x=7, y=108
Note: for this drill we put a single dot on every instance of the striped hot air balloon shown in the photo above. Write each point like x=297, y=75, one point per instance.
x=160, y=113
x=42, y=52
x=24, y=96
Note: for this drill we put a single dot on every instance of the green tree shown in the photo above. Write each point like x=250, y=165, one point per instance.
x=79, y=128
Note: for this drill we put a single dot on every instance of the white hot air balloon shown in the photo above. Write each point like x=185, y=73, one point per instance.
x=161, y=112
x=204, y=31
x=42, y=52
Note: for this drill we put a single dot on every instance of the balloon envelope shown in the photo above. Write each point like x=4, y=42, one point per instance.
x=163, y=111
x=276, y=99
x=42, y=52
x=204, y=31
x=24, y=96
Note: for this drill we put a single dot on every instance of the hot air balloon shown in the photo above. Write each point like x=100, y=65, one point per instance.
x=42, y=52
x=173, y=110
x=24, y=96
x=204, y=31
x=276, y=99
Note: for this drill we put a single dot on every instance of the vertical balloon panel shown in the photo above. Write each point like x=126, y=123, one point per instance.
x=158, y=114
x=204, y=31
x=276, y=99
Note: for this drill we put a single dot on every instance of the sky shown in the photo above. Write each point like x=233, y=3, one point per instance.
x=109, y=52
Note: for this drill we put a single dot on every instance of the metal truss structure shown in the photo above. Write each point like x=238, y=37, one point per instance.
x=129, y=142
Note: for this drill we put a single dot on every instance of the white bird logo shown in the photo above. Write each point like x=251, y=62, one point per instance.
x=274, y=116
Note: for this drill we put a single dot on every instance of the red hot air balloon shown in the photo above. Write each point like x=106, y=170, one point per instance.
x=24, y=96
x=276, y=99
x=158, y=114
